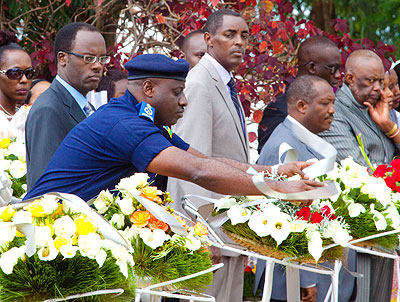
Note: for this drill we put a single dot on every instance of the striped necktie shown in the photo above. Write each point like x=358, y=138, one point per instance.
x=88, y=109
x=235, y=100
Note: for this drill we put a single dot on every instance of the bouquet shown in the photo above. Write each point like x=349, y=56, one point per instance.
x=282, y=229
x=50, y=248
x=160, y=254
x=13, y=162
x=365, y=201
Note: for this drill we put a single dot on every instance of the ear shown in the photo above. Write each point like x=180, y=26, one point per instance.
x=148, y=88
x=311, y=68
x=182, y=55
x=62, y=58
x=301, y=106
x=349, y=79
x=208, y=39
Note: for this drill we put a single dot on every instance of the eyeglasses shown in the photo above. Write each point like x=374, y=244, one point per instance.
x=90, y=59
x=332, y=69
x=18, y=73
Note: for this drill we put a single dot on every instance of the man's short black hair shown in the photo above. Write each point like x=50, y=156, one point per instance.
x=189, y=36
x=214, y=21
x=66, y=36
x=313, y=44
x=302, y=88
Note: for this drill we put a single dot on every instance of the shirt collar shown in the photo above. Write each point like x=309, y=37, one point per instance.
x=346, y=90
x=223, y=73
x=294, y=121
x=79, y=98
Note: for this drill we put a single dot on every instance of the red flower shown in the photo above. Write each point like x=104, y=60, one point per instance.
x=390, y=182
x=303, y=213
x=332, y=217
x=325, y=211
x=247, y=269
x=396, y=164
x=380, y=171
x=316, y=217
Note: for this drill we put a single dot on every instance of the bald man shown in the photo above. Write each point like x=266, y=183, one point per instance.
x=319, y=56
x=360, y=108
x=194, y=47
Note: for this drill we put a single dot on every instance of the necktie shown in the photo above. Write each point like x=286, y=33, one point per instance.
x=235, y=101
x=88, y=109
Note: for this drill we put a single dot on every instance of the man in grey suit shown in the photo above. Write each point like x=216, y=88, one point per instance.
x=80, y=52
x=360, y=109
x=310, y=102
x=214, y=124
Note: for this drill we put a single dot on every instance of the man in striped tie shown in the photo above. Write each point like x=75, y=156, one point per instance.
x=214, y=123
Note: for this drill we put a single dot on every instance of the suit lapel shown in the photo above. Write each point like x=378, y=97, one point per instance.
x=74, y=110
x=221, y=87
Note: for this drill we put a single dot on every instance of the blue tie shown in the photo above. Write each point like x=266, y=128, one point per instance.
x=88, y=109
x=235, y=101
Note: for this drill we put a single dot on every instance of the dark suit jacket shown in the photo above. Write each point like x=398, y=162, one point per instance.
x=50, y=119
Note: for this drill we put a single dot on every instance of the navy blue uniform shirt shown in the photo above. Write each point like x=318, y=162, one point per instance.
x=113, y=143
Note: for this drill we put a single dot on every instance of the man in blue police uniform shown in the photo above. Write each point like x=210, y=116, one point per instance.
x=131, y=134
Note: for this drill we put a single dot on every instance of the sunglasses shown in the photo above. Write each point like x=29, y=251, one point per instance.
x=18, y=73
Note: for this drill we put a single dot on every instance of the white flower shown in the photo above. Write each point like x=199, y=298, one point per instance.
x=18, y=149
x=10, y=258
x=130, y=233
x=123, y=268
x=379, y=219
x=269, y=208
x=298, y=225
x=64, y=227
x=338, y=234
x=43, y=236
x=103, y=201
x=49, y=203
x=334, y=173
x=237, y=214
x=118, y=221
x=17, y=169
x=68, y=250
x=225, y=203
x=7, y=234
x=5, y=164
x=377, y=188
x=153, y=239
x=314, y=244
x=192, y=243
x=393, y=214
x=355, y=209
x=89, y=245
x=48, y=253
x=280, y=227
x=396, y=197
x=22, y=216
x=131, y=184
x=120, y=253
x=101, y=257
x=125, y=205
x=260, y=224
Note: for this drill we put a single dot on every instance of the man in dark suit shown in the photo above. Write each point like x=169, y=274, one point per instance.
x=310, y=102
x=318, y=56
x=80, y=52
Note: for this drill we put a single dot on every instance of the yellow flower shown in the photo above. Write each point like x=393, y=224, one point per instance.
x=84, y=226
x=36, y=209
x=59, y=210
x=50, y=225
x=4, y=143
x=7, y=213
x=60, y=241
x=200, y=229
x=19, y=234
x=140, y=218
x=151, y=193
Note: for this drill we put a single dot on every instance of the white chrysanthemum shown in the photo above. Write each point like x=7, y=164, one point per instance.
x=7, y=234
x=379, y=219
x=48, y=253
x=43, y=236
x=118, y=220
x=355, y=209
x=68, y=250
x=49, y=203
x=103, y=201
x=17, y=169
x=237, y=214
x=280, y=227
x=225, y=203
x=298, y=225
x=314, y=244
x=126, y=205
x=10, y=258
x=377, y=188
x=393, y=214
x=101, y=257
x=18, y=149
x=353, y=168
x=153, y=239
x=132, y=183
x=338, y=234
x=89, y=245
x=64, y=227
x=259, y=222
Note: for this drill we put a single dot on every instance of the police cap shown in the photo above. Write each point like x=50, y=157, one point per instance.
x=156, y=66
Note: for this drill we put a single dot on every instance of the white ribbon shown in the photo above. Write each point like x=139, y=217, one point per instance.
x=116, y=291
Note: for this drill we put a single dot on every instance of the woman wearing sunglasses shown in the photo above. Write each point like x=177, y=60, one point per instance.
x=16, y=75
